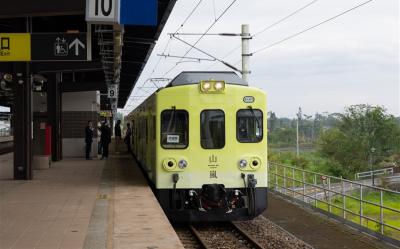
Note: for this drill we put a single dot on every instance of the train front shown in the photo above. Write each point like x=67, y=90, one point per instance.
x=213, y=151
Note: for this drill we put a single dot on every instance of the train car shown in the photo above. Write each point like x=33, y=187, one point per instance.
x=202, y=140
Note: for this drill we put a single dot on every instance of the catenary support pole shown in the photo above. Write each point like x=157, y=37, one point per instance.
x=246, y=52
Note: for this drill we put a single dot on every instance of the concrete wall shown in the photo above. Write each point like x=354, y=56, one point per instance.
x=81, y=101
x=77, y=109
x=75, y=147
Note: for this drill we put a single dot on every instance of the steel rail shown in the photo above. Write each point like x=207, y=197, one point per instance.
x=252, y=243
x=248, y=237
x=198, y=237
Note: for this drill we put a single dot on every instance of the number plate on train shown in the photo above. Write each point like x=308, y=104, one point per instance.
x=173, y=139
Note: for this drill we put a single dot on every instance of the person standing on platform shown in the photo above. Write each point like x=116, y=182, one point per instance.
x=105, y=139
x=89, y=139
x=128, y=135
x=117, y=134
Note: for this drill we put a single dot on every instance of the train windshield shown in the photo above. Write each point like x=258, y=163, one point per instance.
x=249, y=123
x=212, y=129
x=174, y=129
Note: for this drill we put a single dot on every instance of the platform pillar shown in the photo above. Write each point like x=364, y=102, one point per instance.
x=22, y=122
x=54, y=115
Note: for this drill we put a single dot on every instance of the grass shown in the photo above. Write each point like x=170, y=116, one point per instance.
x=311, y=161
x=371, y=211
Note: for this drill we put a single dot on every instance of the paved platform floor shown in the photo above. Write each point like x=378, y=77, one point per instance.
x=316, y=229
x=6, y=167
x=82, y=204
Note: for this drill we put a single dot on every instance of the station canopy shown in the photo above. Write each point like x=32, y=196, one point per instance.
x=119, y=52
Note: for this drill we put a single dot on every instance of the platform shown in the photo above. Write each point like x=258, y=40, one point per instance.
x=82, y=204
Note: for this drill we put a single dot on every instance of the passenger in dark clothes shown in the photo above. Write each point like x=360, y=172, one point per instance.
x=117, y=134
x=88, y=139
x=128, y=136
x=105, y=139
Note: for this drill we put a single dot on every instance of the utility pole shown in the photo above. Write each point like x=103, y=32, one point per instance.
x=371, y=162
x=297, y=131
x=245, y=52
x=245, y=34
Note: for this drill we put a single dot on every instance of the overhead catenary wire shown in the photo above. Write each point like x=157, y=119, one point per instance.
x=169, y=40
x=269, y=27
x=310, y=28
x=305, y=30
x=285, y=18
x=208, y=54
x=201, y=37
x=177, y=30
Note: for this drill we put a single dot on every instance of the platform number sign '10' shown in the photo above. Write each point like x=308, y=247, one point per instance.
x=127, y=12
x=102, y=10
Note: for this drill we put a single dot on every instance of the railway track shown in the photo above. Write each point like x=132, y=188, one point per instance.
x=216, y=236
x=259, y=233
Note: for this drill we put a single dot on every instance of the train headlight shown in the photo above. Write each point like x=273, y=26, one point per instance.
x=182, y=164
x=242, y=163
x=212, y=86
x=219, y=85
x=206, y=86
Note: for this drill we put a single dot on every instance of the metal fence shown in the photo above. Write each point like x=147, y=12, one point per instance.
x=372, y=209
x=372, y=173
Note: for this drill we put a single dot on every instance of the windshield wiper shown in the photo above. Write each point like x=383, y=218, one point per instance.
x=172, y=120
x=255, y=117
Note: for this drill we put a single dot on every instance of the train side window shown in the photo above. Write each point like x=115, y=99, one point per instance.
x=249, y=125
x=154, y=127
x=212, y=129
x=174, y=129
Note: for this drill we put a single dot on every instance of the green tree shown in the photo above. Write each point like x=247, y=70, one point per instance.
x=272, y=121
x=359, y=129
x=283, y=136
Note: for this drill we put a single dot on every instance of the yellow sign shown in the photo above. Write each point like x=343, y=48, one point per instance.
x=105, y=114
x=15, y=47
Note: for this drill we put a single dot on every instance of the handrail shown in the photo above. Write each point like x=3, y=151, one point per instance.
x=372, y=173
x=313, y=188
x=333, y=177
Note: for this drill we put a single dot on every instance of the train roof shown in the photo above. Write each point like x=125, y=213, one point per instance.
x=194, y=77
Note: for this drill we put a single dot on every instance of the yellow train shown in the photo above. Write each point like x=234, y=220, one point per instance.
x=202, y=141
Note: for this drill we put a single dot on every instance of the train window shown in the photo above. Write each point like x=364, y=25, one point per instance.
x=174, y=129
x=249, y=123
x=212, y=129
x=154, y=127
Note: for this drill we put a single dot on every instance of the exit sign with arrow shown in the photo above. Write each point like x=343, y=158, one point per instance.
x=59, y=47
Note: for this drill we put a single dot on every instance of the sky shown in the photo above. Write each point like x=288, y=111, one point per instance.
x=353, y=59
